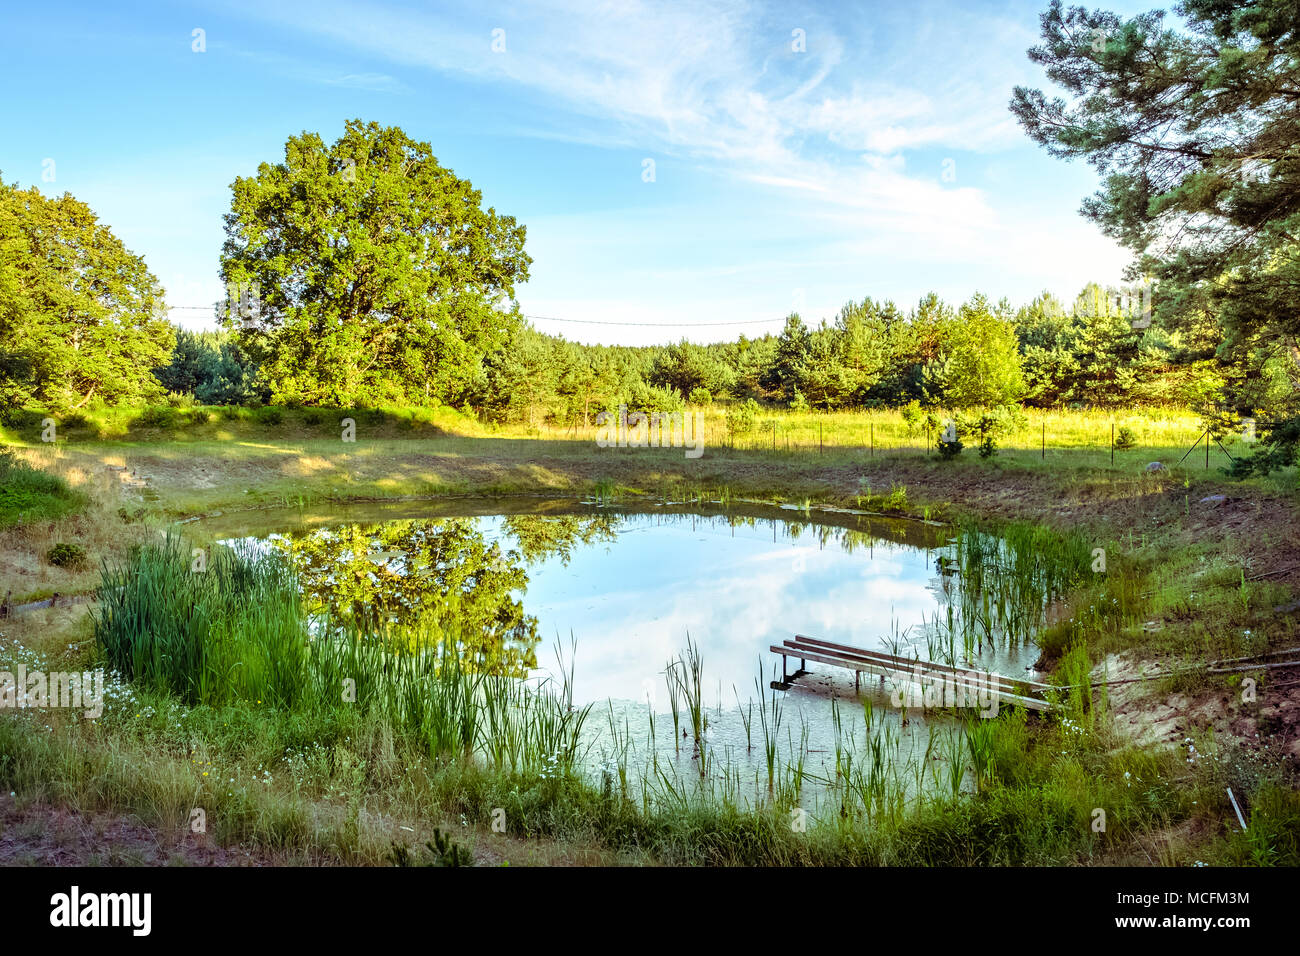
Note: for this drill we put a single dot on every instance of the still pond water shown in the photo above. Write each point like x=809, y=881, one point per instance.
x=615, y=594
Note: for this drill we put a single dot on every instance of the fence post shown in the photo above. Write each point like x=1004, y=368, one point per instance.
x=1044, y=455
x=1112, y=444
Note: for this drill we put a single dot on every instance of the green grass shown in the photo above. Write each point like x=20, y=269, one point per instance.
x=212, y=631
x=189, y=422
x=235, y=631
x=301, y=458
x=1041, y=787
x=28, y=494
x=1158, y=432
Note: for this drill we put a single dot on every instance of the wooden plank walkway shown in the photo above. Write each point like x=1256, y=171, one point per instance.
x=1025, y=693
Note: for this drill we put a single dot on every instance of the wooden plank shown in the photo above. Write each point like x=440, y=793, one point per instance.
x=891, y=665
x=803, y=640
x=893, y=670
x=906, y=665
x=870, y=662
x=897, y=673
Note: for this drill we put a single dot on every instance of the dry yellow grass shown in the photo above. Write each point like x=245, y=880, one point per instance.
x=99, y=528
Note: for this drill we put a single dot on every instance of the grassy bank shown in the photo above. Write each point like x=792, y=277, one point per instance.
x=1040, y=435
x=29, y=495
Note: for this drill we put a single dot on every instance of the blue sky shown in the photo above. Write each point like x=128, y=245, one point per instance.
x=879, y=160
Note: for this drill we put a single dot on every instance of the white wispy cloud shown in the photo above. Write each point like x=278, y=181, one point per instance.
x=842, y=134
x=700, y=78
x=375, y=82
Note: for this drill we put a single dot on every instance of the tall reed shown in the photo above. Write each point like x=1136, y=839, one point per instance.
x=232, y=627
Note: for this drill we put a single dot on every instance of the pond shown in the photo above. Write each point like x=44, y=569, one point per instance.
x=623, y=600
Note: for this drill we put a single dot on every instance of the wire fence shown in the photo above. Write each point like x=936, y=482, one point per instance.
x=1184, y=440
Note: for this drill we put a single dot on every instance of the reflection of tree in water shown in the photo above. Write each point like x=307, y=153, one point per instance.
x=441, y=575
x=443, y=578
x=794, y=529
x=541, y=536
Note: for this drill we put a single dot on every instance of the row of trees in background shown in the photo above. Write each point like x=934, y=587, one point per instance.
x=1092, y=352
x=363, y=273
x=80, y=321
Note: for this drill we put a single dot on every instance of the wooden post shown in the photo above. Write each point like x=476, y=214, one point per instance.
x=773, y=436
x=819, y=438
x=1207, y=449
x=1112, y=444
x=873, y=439
x=1044, y=456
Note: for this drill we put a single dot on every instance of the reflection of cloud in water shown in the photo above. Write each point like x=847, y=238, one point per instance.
x=631, y=604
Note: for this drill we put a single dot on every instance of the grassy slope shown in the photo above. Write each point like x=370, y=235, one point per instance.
x=28, y=495
x=1203, y=572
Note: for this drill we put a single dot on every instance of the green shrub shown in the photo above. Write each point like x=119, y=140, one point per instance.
x=949, y=449
x=911, y=413
x=69, y=556
x=442, y=850
x=20, y=419
x=157, y=416
x=701, y=396
x=1279, y=447
x=949, y=443
x=268, y=415
x=896, y=499
x=991, y=426
x=1125, y=438
x=741, y=417
x=650, y=399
